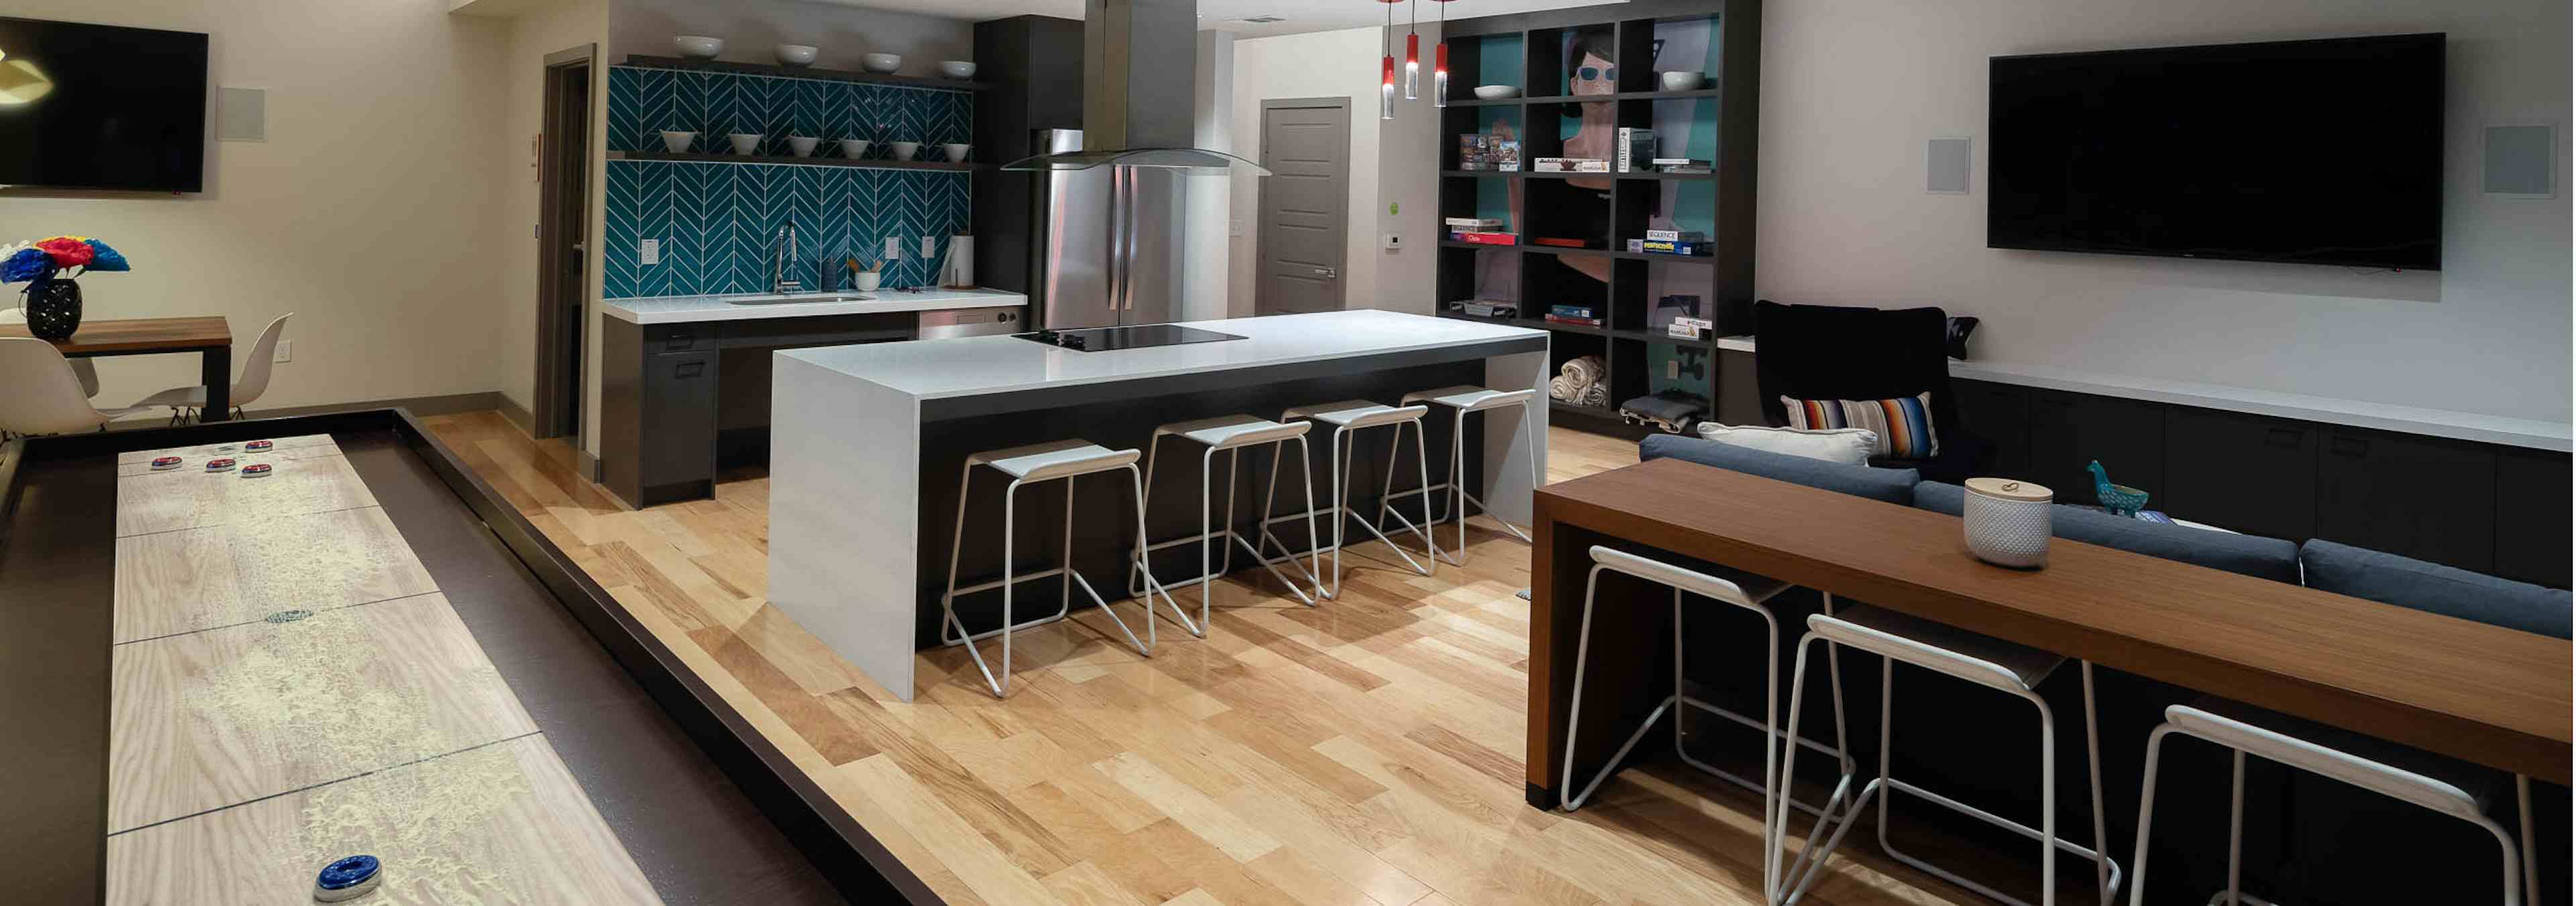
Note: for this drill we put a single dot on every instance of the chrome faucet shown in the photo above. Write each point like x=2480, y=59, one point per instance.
x=782, y=249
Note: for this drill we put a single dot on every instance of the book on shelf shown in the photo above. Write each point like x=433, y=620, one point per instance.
x=1680, y=168
x=1680, y=162
x=1676, y=236
x=1562, y=242
x=1484, y=308
x=1473, y=224
x=1553, y=317
x=1504, y=154
x=1661, y=247
x=1634, y=145
x=1486, y=238
x=1574, y=311
x=1569, y=165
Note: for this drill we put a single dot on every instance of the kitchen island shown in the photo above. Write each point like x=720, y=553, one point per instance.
x=867, y=443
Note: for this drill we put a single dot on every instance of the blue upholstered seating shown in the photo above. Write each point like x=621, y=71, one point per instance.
x=2434, y=588
x=1891, y=485
x=2252, y=555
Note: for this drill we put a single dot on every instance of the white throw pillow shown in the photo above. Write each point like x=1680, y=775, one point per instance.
x=1849, y=446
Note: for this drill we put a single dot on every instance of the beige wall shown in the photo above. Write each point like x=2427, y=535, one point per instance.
x=366, y=213
x=1391, y=161
x=750, y=28
x=539, y=28
x=1851, y=89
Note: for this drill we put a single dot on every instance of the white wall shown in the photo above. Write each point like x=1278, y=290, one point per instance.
x=1390, y=161
x=1207, y=254
x=750, y=28
x=1852, y=88
x=366, y=213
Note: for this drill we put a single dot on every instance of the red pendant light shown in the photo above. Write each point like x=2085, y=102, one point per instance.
x=1412, y=53
x=1440, y=60
x=1386, y=67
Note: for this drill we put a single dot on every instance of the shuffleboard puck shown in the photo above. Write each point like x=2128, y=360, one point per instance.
x=165, y=462
x=219, y=464
x=347, y=879
x=255, y=470
x=258, y=445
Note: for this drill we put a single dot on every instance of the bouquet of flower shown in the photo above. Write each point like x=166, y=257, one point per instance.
x=39, y=261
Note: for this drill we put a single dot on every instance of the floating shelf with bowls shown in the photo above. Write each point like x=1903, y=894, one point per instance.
x=702, y=157
x=804, y=72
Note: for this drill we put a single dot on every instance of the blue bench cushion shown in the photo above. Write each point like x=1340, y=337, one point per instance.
x=2434, y=588
x=2252, y=555
x=1891, y=485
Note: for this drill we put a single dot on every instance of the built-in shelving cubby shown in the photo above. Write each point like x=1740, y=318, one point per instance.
x=1583, y=74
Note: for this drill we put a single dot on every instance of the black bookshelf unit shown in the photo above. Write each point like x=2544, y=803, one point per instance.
x=1541, y=55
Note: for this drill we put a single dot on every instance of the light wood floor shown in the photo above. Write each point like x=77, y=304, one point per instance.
x=1366, y=752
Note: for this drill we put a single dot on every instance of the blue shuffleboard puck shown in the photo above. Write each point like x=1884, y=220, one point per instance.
x=347, y=879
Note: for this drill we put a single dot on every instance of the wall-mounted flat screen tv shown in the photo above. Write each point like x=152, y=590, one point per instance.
x=2315, y=152
x=101, y=107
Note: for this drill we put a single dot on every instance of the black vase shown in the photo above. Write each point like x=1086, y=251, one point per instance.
x=53, y=309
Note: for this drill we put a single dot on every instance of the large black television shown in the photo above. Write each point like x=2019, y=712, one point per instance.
x=101, y=107
x=2314, y=152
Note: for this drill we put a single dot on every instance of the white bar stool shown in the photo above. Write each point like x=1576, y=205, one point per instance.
x=1984, y=660
x=1348, y=418
x=1230, y=434
x=1745, y=591
x=1463, y=400
x=2453, y=788
x=1034, y=463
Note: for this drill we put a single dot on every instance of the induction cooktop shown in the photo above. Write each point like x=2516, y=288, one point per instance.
x=1104, y=339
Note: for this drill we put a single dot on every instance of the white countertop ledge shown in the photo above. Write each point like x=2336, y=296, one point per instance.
x=693, y=309
x=969, y=366
x=2472, y=426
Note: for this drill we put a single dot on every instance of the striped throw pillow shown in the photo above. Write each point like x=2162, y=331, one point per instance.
x=1904, y=425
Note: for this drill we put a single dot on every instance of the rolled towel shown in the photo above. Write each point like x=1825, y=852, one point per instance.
x=1564, y=388
x=1596, y=396
x=1585, y=369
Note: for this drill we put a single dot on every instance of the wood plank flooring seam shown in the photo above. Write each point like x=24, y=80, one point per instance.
x=315, y=786
x=188, y=528
x=335, y=607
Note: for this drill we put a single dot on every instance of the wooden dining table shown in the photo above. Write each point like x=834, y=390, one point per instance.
x=210, y=337
x=2476, y=692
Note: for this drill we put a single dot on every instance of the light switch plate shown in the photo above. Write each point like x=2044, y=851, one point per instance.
x=894, y=247
x=648, y=252
x=1234, y=228
x=929, y=246
x=1394, y=241
x=285, y=350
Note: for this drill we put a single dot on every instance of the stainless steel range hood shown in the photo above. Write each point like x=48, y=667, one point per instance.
x=1138, y=77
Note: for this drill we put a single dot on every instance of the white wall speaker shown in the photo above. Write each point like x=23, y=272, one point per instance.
x=1945, y=166
x=241, y=114
x=2522, y=161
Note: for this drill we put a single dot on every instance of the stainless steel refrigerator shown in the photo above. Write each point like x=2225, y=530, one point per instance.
x=1096, y=266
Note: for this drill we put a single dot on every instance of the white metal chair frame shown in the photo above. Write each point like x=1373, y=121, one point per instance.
x=1458, y=497
x=952, y=631
x=1345, y=445
x=1276, y=438
x=1799, y=876
x=1726, y=592
x=2243, y=738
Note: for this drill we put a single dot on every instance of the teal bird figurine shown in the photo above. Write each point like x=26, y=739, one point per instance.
x=2118, y=498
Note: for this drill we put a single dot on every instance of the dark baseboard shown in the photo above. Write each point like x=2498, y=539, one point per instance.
x=585, y=464
x=450, y=404
x=517, y=414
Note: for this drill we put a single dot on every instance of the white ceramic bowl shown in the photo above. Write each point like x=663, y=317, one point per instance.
x=698, y=47
x=677, y=142
x=1681, y=81
x=2006, y=522
x=881, y=62
x=802, y=145
x=796, y=54
x=956, y=151
x=854, y=148
x=745, y=142
x=904, y=150
x=957, y=69
x=1497, y=92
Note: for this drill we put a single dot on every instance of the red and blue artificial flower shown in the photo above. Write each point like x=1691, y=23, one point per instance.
x=44, y=258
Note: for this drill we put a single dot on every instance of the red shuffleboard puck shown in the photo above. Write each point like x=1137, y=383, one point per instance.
x=254, y=470
x=258, y=445
x=166, y=462
x=218, y=465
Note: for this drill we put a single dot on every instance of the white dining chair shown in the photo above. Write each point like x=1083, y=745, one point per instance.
x=44, y=395
x=82, y=367
x=185, y=401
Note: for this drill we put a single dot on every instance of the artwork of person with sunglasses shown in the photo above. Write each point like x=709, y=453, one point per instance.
x=1596, y=134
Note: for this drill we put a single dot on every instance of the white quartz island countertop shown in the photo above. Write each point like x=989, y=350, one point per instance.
x=936, y=369
x=693, y=309
x=868, y=444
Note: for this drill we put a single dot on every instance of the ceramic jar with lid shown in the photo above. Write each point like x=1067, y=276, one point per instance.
x=2007, y=522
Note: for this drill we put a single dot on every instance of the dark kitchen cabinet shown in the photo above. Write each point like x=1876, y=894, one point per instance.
x=680, y=390
x=2414, y=496
x=2531, y=525
x=2250, y=473
x=1999, y=413
x=2068, y=431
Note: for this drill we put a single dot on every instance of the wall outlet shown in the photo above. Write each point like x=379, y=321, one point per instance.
x=1234, y=228
x=286, y=350
x=648, y=252
x=929, y=246
x=1672, y=369
x=1394, y=241
x=894, y=247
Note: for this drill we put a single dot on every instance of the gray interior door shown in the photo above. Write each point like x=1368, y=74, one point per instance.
x=1305, y=203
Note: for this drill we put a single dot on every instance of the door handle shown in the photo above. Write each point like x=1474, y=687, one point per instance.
x=1328, y=273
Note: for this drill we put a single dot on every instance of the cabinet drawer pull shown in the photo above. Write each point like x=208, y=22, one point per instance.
x=2349, y=446
x=2285, y=438
x=680, y=341
x=688, y=369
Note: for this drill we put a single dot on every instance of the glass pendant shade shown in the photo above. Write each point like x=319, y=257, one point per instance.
x=1386, y=90
x=1440, y=75
x=1412, y=67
